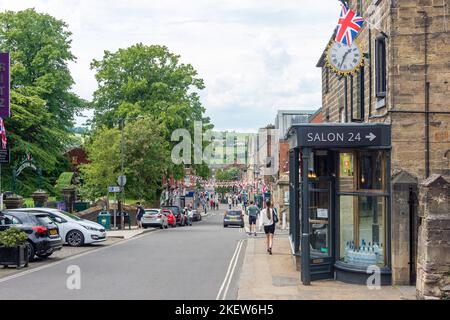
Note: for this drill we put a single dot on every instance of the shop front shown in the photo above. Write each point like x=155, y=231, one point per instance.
x=340, y=201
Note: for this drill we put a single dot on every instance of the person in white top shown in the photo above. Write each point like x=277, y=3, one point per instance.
x=266, y=220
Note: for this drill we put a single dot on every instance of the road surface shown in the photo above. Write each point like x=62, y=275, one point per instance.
x=185, y=263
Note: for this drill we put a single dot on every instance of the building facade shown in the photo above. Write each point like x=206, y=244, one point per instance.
x=401, y=93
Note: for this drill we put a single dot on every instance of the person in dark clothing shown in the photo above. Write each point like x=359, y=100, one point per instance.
x=139, y=214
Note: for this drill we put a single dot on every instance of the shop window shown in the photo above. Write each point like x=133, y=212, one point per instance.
x=362, y=230
x=371, y=171
x=346, y=172
x=362, y=171
x=362, y=207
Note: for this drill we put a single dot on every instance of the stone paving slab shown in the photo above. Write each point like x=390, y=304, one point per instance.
x=266, y=277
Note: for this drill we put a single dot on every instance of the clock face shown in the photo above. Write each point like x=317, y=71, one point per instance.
x=344, y=59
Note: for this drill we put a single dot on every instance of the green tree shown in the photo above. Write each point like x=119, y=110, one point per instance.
x=149, y=80
x=145, y=158
x=42, y=105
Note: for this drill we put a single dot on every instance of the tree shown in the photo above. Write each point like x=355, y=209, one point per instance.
x=149, y=80
x=42, y=106
x=40, y=51
x=145, y=157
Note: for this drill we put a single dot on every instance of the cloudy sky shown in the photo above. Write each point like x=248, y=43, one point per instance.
x=256, y=56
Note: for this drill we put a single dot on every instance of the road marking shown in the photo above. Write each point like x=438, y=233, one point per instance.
x=230, y=272
x=233, y=270
x=21, y=274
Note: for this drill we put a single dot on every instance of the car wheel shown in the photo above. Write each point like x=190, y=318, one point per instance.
x=225, y=226
x=31, y=251
x=75, y=238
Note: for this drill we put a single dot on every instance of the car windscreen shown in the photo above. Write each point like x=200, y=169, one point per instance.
x=151, y=212
x=234, y=213
x=44, y=220
x=70, y=215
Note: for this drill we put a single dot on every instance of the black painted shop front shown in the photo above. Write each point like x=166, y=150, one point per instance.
x=340, y=201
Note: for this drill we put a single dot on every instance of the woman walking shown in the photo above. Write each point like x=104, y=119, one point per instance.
x=266, y=219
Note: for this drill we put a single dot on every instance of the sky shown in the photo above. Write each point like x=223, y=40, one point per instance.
x=255, y=56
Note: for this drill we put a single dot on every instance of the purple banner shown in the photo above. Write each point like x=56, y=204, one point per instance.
x=4, y=85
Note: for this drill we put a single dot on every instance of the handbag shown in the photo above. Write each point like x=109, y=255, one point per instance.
x=275, y=216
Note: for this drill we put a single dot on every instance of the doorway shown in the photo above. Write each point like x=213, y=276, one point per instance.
x=321, y=220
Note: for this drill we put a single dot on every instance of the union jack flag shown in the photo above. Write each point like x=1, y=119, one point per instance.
x=348, y=26
x=3, y=133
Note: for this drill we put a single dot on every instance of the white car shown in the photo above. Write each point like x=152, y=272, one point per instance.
x=154, y=218
x=73, y=230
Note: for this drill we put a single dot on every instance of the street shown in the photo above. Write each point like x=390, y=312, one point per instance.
x=193, y=263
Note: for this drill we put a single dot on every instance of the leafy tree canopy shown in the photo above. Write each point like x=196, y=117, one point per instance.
x=42, y=106
x=149, y=80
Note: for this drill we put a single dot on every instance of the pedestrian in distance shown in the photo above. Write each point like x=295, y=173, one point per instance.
x=268, y=219
x=253, y=213
x=139, y=214
x=230, y=203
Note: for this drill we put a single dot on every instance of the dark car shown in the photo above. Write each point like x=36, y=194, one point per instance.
x=233, y=218
x=43, y=233
x=178, y=213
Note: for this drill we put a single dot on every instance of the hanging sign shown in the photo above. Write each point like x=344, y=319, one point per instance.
x=4, y=85
x=342, y=135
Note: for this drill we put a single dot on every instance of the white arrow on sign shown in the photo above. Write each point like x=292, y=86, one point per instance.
x=371, y=137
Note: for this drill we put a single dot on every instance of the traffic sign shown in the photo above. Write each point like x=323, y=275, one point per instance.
x=122, y=181
x=114, y=189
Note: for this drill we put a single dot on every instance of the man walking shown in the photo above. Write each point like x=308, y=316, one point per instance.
x=140, y=211
x=253, y=213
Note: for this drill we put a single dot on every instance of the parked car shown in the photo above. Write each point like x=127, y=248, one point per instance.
x=233, y=218
x=43, y=234
x=178, y=213
x=171, y=220
x=74, y=231
x=196, y=216
x=154, y=218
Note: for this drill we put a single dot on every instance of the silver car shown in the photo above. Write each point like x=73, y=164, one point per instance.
x=154, y=218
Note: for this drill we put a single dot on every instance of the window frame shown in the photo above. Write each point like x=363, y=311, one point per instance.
x=380, y=67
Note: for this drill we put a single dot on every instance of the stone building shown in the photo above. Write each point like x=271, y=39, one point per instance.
x=404, y=82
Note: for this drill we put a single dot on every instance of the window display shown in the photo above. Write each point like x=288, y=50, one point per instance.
x=362, y=231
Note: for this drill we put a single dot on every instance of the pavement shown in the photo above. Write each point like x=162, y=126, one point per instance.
x=128, y=233
x=201, y=262
x=266, y=277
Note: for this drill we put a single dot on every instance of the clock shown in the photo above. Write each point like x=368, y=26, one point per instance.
x=344, y=59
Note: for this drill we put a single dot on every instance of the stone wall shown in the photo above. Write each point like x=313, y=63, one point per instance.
x=403, y=184
x=415, y=56
x=433, y=272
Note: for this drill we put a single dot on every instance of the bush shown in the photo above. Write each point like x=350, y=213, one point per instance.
x=12, y=237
